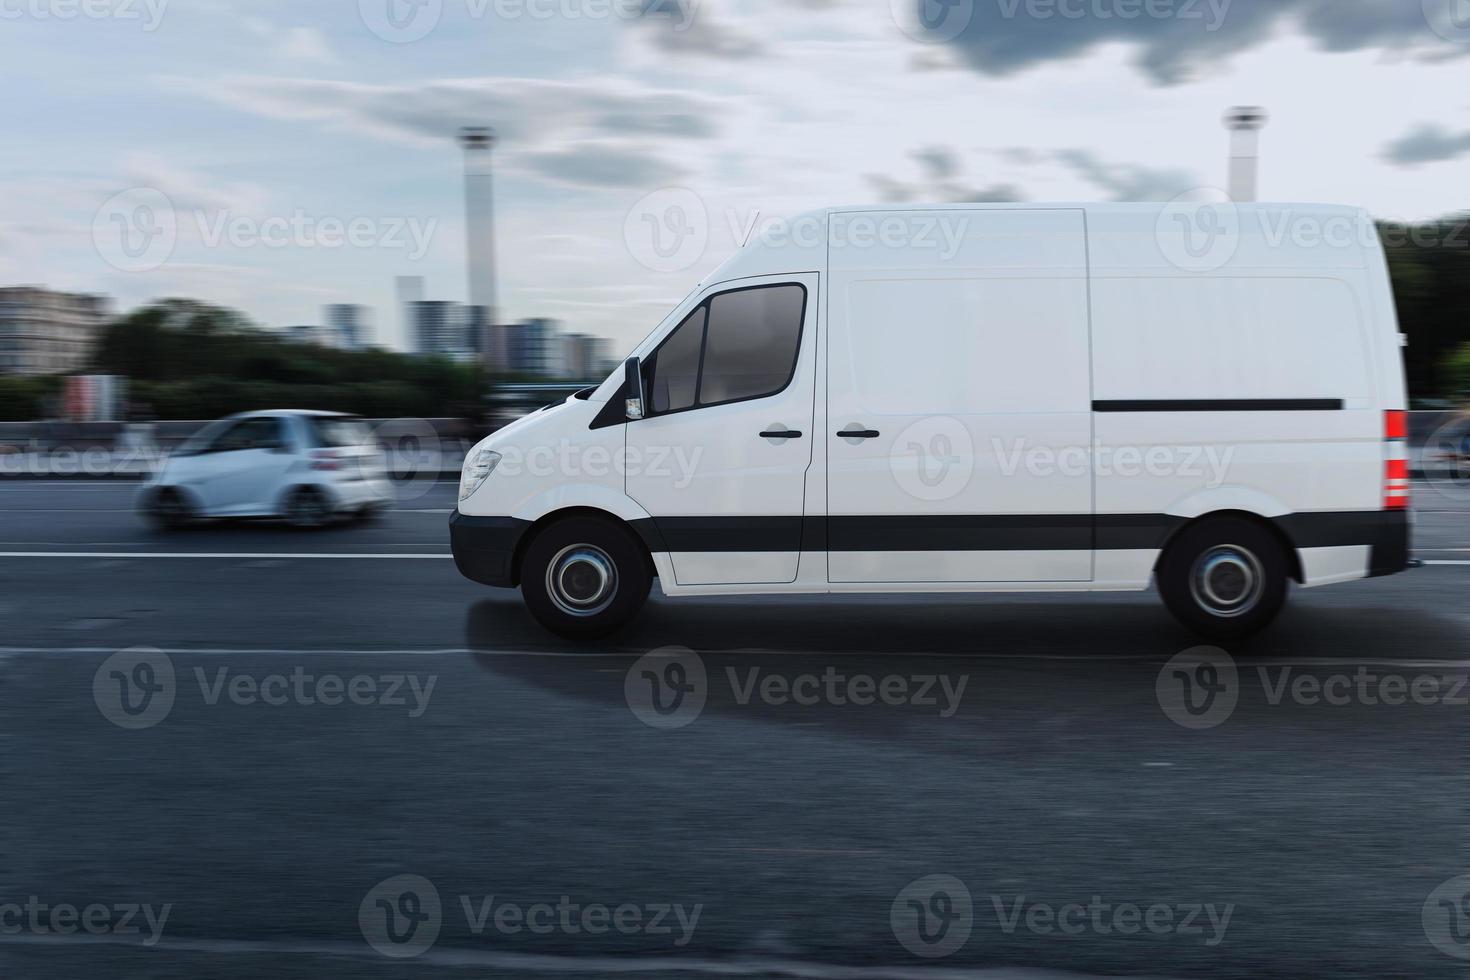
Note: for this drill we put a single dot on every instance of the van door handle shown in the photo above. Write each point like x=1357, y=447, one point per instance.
x=856, y=433
x=780, y=434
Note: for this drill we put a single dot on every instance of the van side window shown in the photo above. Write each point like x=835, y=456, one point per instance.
x=752, y=345
x=673, y=377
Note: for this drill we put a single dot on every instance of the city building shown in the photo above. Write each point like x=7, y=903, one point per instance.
x=532, y=348
x=408, y=290
x=439, y=327
x=585, y=358
x=48, y=332
x=348, y=325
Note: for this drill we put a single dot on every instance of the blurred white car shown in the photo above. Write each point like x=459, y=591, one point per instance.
x=308, y=468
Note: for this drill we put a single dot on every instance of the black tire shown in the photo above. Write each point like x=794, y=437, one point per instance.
x=168, y=510
x=585, y=577
x=1224, y=578
x=307, y=509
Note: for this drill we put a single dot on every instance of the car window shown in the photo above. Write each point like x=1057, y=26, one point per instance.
x=249, y=434
x=332, y=432
x=674, y=372
x=751, y=345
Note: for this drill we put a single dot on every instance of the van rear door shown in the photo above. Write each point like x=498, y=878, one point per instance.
x=958, y=407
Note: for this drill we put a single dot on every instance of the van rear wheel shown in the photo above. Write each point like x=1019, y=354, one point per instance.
x=1224, y=578
x=584, y=577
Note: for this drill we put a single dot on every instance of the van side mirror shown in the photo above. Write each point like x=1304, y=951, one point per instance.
x=633, y=395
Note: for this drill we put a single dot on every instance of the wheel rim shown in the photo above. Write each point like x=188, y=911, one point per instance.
x=582, y=580
x=1227, y=581
x=307, y=509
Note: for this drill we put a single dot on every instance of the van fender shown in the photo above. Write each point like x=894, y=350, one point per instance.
x=1246, y=499
x=589, y=495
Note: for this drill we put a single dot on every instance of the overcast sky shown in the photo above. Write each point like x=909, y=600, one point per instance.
x=234, y=143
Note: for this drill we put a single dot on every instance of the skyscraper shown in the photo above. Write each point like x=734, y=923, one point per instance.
x=479, y=200
x=348, y=325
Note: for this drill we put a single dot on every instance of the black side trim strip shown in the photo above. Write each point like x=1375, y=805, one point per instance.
x=1385, y=531
x=1221, y=405
x=980, y=532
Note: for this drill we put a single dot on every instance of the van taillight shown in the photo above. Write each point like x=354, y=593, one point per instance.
x=1396, y=460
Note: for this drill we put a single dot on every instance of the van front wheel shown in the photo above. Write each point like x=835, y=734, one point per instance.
x=1224, y=578
x=584, y=577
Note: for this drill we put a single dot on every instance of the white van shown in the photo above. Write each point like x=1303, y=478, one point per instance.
x=978, y=398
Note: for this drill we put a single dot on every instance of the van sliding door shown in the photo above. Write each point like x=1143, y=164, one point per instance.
x=959, y=420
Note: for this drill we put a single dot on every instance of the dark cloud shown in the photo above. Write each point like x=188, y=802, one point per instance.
x=1173, y=40
x=1427, y=144
x=685, y=27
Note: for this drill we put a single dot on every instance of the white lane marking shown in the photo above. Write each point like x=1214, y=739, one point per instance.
x=228, y=555
x=1446, y=562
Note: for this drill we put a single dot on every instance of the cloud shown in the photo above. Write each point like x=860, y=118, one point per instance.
x=939, y=182
x=1128, y=181
x=686, y=27
x=599, y=163
x=1173, y=39
x=1427, y=144
x=595, y=133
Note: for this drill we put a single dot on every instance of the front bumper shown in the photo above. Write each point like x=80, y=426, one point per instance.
x=484, y=547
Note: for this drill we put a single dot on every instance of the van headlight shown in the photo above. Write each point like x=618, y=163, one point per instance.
x=479, y=466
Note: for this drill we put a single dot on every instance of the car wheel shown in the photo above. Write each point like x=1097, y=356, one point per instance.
x=307, y=508
x=168, y=510
x=1224, y=578
x=584, y=577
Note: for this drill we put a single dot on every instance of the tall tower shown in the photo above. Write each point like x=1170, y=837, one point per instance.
x=1245, y=124
x=479, y=201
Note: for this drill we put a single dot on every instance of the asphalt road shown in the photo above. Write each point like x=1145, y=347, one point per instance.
x=1024, y=750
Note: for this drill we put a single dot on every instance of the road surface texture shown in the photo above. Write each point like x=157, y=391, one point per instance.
x=774, y=796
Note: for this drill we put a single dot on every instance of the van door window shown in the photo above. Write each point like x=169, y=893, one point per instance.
x=752, y=343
